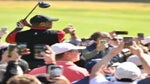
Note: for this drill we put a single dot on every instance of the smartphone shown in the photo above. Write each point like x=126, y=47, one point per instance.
x=21, y=48
x=128, y=41
x=11, y=47
x=38, y=48
x=54, y=70
x=121, y=32
x=140, y=36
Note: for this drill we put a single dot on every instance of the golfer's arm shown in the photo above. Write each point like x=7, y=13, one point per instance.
x=12, y=35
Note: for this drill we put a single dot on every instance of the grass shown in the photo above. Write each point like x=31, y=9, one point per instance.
x=87, y=17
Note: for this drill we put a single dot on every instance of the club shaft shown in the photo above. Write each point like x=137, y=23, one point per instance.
x=31, y=11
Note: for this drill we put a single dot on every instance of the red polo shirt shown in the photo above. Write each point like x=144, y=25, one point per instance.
x=70, y=70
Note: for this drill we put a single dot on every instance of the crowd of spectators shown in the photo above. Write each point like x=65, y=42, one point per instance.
x=42, y=55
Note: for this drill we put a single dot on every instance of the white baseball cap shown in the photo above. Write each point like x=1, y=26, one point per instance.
x=64, y=47
x=134, y=59
x=127, y=70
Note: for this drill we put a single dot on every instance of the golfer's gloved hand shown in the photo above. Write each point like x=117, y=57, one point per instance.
x=23, y=23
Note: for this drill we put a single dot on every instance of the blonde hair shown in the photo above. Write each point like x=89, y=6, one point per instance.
x=23, y=79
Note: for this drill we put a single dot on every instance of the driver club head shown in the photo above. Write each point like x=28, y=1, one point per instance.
x=41, y=5
x=44, y=5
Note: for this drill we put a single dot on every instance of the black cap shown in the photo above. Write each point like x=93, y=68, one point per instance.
x=41, y=18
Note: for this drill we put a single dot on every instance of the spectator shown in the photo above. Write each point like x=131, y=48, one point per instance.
x=38, y=35
x=23, y=79
x=5, y=58
x=3, y=48
x=3, y=62
x=124, y=73
x=91, y=63
x=114, y=42
x=13, y=60
x=136, y=60
x=137, y=50
x=74, y=39
x=12, y=67
x=66, y=54
x=49, y=57
x=146, y=43
x=99, y=47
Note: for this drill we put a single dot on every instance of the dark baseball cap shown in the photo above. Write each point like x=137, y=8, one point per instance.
x=42, y=18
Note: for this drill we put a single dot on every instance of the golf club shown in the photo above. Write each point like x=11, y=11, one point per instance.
x=41, y=5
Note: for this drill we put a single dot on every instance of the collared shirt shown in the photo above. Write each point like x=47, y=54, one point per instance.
x=11, y=38
x=70, y=70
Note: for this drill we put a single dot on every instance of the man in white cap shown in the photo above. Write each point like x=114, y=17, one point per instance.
x=136, y=60
x=66, y=54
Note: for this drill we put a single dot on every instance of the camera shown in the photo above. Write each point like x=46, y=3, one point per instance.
x=140, y=36
x=20, y=48
x=128, y=41
x=121, y=32
x=38, y=48
x=54, y=70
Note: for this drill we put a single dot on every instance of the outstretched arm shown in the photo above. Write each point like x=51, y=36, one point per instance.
x=97, y=70
x=137, y=50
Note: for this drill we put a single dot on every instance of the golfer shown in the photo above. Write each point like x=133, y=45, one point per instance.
x=36, y=37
